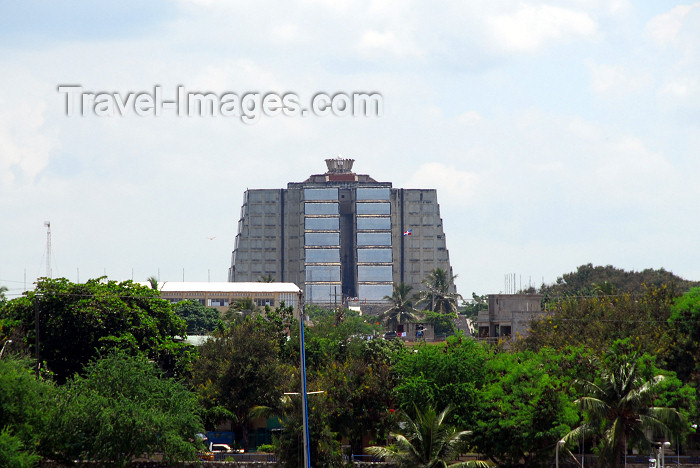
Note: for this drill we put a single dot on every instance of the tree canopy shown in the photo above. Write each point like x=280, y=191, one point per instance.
x=77, y=321
x=123, y=407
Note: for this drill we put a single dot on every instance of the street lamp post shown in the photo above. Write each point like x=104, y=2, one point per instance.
x=663, y=454
x=4, y=346
x=557, y=452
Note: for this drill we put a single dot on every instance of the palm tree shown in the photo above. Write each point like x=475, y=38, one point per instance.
x=437, y=295
x=401, y=309
x=622, y=403
x=427, y=442
x=266, y=279
x=153, y=282
x=240, y=308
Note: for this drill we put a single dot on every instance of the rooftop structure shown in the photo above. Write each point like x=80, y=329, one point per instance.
x=222, y=294
x=508, y=315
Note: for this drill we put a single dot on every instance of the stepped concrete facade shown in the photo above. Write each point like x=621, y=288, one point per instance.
x=342, y=237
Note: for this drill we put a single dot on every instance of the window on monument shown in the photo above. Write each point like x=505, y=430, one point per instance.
x=373, y=238
x=323, y=273
x=373, y=208
x=374, y=255
x=322, y=224
x=321, y=208
x=374, y=273
x=373, y=223
x=374, y=292
x=322, y=255
x=373, y=193
x=323, y=293
x=322, y=238
x=321, y=194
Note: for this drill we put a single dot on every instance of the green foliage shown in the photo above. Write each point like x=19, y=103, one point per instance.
x=401, y=309
x=427, y=441
x=240, y=367
x=22, y=410
x=78, y=321
x=526, y=406
x=13, y=453
x=684, y=337
x=324, y=446
x=359, y=395
x=438, y=295
x=449, y=373
x=200, y=320
x=266, y=448
x=122, y=408
x=443, y=322
x=596, y=322
x=475, y=305
x=620, y=404
x=588, y=280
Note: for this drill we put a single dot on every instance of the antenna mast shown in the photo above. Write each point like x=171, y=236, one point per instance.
x=48, y=248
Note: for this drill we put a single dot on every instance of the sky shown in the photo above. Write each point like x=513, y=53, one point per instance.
x=556, y=133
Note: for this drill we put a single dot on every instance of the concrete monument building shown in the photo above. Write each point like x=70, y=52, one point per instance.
x=340, y=236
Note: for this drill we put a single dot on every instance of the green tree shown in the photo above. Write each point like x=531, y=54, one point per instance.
x=592, y=280
x=446, y=374
x=438, y=295
x=442, y=322
x=3, y=290
x=152, y=282
x=359, y=398
x=122, y=408
x=78, y=321
x=199, y=319
x=619, y=405
x=13, y=453
x=526, y=405
x=24, y=401
x=401, y=309
x=683, y=344
x=240, y=368
x=426, y=442
x=324, y=447
x=240, y=307
x=475, y=305
x=596, y=322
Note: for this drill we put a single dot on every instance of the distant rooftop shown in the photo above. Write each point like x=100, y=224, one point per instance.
x=226, y=286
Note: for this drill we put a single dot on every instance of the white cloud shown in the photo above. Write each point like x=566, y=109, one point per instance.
x=617, y=79
x=666, y=27
x=534, y=27
x=450, y=181
x=25, y=141
x=387, y=42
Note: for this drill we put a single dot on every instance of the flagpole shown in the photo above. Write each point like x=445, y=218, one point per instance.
x=304, y=396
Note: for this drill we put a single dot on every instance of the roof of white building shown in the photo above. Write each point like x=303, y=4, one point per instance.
x=225, y=286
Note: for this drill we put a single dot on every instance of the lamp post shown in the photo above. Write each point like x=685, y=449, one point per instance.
x=556, y=451
x=4, y=346
x=663, y=448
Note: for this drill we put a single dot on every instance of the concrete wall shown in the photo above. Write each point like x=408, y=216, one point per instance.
x=508, y=315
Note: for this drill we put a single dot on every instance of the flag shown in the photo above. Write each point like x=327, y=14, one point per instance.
x=408, y=233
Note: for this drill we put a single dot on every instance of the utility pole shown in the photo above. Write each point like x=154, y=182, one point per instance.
x=36, y=331
x=48, y=248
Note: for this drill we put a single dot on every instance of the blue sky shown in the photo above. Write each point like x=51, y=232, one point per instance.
x=557, y=133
